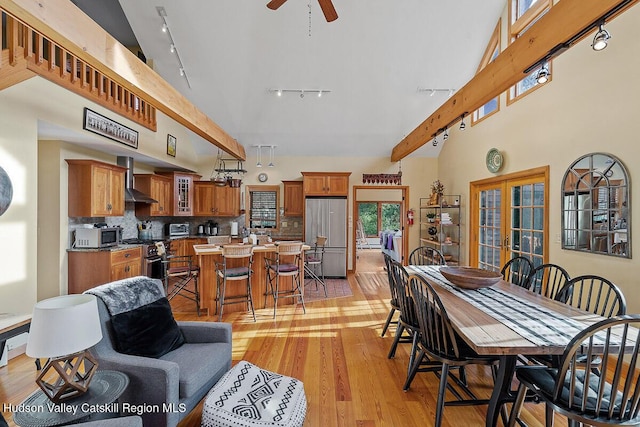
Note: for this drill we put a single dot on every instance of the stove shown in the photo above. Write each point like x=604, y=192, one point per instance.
x=152, y=261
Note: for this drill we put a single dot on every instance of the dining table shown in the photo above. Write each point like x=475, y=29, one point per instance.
x=506, y=320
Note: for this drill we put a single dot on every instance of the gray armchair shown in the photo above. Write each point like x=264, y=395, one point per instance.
x=170, y=386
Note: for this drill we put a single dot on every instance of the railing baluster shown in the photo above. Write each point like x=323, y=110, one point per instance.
x=13, y=40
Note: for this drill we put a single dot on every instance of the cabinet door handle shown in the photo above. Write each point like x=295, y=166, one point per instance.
x=127, y=255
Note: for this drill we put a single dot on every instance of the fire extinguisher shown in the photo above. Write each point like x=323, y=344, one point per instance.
x=410, y=216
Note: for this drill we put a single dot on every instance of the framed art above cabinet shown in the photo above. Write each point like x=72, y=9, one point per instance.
x=596, y=206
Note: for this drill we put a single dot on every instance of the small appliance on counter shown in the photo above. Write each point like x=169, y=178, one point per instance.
x=176, y=230
x=93, y=238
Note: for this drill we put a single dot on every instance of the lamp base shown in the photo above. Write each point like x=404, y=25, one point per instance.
x=67, y=376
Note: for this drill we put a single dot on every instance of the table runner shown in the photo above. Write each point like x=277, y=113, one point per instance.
x=541, y=326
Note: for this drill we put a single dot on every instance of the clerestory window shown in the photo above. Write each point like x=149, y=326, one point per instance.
x=490, y=54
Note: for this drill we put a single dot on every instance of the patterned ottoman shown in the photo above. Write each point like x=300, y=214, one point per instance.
x=250, y=396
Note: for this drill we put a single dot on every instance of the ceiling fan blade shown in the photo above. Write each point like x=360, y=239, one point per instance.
x=274, y=4
x=329, y=11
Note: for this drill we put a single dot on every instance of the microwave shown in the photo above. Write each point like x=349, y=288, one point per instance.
x=97, y=237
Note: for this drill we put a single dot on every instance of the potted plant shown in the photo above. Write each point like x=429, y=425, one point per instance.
x=431, y=216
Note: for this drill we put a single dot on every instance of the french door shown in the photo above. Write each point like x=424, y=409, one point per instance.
x=509, y=218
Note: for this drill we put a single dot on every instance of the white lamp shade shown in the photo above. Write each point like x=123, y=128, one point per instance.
x=64, y=325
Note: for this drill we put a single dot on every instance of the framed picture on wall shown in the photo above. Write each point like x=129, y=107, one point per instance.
x=171, y=145
x=108, y=128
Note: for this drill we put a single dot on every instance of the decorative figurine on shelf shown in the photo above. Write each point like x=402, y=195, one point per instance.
x=437, y=190
x=432, y=233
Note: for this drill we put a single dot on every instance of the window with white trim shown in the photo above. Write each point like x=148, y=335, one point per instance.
x=522, y=15
x=490, y=54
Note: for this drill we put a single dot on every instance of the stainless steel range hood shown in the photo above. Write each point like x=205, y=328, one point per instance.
x=130, y=193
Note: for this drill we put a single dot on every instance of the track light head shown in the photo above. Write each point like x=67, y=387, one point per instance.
x=446, y=135
x=601, y=39
x=181, y=72
x=543, y=75
x=164, y=28
x=172, y=48
x=435, y=141
x=462, y=125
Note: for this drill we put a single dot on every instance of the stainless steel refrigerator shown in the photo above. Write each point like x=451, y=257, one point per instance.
x=328, y=217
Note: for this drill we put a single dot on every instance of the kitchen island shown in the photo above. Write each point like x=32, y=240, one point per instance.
x=208, y=255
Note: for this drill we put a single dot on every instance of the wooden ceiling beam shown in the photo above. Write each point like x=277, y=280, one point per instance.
x=62, y=22
x=568, y=20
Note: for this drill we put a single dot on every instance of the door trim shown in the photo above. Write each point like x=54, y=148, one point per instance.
x=474, y=188
x=403, y=218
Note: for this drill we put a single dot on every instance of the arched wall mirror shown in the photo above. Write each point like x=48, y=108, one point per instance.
x=596, y=207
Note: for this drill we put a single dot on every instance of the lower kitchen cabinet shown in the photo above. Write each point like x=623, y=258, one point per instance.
x=88, y=269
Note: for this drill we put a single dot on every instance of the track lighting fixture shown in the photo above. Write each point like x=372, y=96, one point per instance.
x=271, y=149
x=435, y=141
x=543, y=75
x=446, y=135
x=601, y=39
x=259, y=155
x=301, y=92
x=462, y=125
x=432, y=92
x=172, y=45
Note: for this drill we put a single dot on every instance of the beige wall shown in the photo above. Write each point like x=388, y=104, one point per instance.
x=591, y=105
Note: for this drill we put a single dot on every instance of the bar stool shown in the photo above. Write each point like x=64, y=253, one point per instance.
x=286, y=263
x=180, y=272
x=225, y=273
x=313, y=261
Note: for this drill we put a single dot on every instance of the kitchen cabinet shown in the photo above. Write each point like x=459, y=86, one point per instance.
x=440, y=226
x=159, y=188
x=293, y=198
x=184, y=247
x=326, y=183
x=91, y=268
x=213, y=200
x=96, y=189
x=182, y=193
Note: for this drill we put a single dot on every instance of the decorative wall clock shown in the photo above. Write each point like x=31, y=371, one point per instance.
x=263, y=177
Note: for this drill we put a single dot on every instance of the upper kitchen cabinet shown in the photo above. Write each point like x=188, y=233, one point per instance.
x=96, y=189
x=159, y=188
x=182, y=192
x=326, y=183
x=293, y=198
x=214, y=200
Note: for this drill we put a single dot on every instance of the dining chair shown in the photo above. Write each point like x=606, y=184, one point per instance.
x=241, y=270
x=547, y=280
x=408, y=328
x=610, y=400
x=314, y=263
x=426, y=255
x=441, y=348
x=594, y=294
x=393, y=302
x=285, y=263
x=517, y=271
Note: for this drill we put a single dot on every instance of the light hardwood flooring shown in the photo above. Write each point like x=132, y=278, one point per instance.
x=337, y=351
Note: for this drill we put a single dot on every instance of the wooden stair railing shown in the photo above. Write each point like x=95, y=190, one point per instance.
x=26, y=53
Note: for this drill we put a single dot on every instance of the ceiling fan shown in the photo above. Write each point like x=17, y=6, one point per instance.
x=327, y=8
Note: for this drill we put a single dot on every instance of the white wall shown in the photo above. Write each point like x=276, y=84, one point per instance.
x=591, y=105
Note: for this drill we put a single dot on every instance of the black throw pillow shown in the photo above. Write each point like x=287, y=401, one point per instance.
x=149, y=331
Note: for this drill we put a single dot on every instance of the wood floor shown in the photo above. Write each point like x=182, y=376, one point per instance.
x=337, y=351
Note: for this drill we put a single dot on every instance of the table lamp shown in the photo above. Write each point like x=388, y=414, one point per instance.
x=63, y=329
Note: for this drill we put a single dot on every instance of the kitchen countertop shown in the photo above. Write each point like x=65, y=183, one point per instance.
x=216, y=250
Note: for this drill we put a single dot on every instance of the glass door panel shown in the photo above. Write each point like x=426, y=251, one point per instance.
x=489, y=242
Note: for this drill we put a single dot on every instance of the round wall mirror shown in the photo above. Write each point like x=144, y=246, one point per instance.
x=6, y=191
x=596, y=206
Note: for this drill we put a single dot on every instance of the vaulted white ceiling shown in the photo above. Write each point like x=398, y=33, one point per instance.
x=373, y=59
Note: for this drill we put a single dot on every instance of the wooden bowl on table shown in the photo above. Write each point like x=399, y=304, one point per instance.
x=470, y=278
